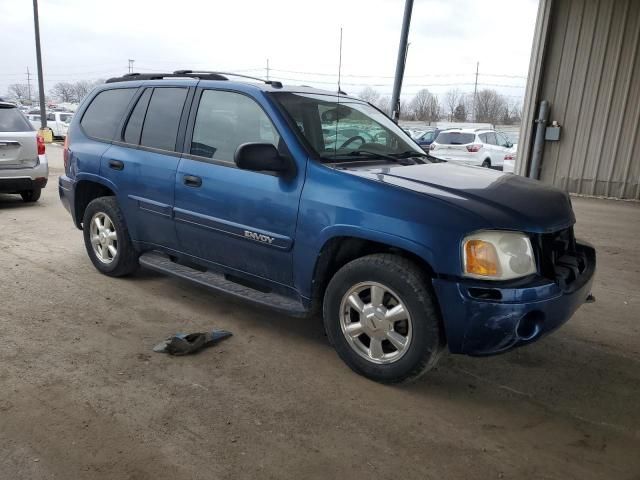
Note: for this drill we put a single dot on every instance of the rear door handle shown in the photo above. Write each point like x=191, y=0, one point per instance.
x=116, y=164
x=192, y=181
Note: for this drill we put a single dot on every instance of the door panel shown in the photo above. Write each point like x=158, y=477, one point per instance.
x=144, y=161
x=145, y=192
x=240, y=219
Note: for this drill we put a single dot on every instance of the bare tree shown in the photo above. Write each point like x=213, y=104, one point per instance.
x=489, y=106
x=19, y=91
x=384, y=104
x=64, y=91
x=370, y=95
x=451, y=101
x=425, y=106
x=81, y=89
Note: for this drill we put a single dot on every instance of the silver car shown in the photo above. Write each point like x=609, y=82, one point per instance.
x=23, y=164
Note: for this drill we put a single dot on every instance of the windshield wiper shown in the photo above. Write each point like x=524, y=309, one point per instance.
x=410, y=154
x=364, y=154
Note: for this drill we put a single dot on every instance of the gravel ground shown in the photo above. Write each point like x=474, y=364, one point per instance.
x=82, y=396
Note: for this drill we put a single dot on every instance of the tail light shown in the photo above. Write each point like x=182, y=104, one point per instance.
x=432, y=146
x=509, y=156
x=41, y=147
x=65, y=151
x=474, y=147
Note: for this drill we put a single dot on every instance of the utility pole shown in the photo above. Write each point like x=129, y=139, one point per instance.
x=267, y=69
x=401, y=62
x=43, y=108
x=131, y=65
x=29, y=84
x=475, y=94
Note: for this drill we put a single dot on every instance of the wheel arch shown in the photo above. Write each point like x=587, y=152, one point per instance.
x=87, y=189
x=341, y=245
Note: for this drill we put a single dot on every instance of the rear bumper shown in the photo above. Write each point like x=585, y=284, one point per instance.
x=66, y=191
x=20, y=179
x=477, y=325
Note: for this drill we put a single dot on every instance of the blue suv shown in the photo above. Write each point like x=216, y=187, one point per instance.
x=308, y=202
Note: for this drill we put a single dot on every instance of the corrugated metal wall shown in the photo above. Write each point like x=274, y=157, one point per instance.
x=591, y=76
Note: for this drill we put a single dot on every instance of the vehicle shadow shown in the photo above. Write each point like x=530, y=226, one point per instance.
x=8, y=201
x=563, y=374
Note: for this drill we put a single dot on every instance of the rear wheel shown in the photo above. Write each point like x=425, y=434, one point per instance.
x=30, y=196
x=106, y=238
x=486, y=163
x=381, y=318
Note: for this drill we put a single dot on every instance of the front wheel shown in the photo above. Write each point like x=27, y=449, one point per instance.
x=381, y=318
x=106, y=238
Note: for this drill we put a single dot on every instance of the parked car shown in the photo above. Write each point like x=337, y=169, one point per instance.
x=509, y=162
x=233, y=186
x=23, y=164
x=57, y=121
x=427, y=138
x=480, y=147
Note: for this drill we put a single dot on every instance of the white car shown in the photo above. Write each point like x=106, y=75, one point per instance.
x=479, y=147
x=58, y=122
x=509, y=162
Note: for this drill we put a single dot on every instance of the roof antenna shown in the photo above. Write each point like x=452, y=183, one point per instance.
x=340, y=64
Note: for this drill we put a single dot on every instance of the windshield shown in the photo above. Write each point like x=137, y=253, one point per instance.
x=338, y=126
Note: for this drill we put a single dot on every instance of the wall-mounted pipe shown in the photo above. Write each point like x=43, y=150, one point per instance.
x=538, y=141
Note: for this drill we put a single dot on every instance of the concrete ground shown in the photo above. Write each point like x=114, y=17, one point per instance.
x=82, y=396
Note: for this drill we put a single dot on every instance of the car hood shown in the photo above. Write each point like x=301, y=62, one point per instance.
x=504, y=201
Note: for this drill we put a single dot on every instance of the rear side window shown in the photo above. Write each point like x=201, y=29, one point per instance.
x=160, y=128
x=226, y=120
x=491, y=138
x=455, y=138
x=12, y=120
x=134, y=126
x=105, y=112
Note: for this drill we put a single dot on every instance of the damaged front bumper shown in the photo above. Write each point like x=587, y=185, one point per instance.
x=481, y=318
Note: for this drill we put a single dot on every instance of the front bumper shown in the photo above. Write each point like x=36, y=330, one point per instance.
x=21, y=179
x=484, y=319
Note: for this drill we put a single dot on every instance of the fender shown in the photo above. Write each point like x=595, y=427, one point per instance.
x=333, y=231
x=305, y=270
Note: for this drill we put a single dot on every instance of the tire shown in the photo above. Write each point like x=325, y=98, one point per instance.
x=486, y=163
x=403, y=279
x=125, y=260
x=31, y=196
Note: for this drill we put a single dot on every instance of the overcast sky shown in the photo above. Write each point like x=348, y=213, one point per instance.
x=90, y=39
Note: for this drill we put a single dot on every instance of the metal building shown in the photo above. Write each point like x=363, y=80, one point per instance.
x=586, y=63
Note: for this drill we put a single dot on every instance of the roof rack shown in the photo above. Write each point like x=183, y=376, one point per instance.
x=200, y=74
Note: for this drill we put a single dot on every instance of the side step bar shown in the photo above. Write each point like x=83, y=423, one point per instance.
x=217, y=282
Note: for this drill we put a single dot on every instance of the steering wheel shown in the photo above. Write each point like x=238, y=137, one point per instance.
x=351, y=140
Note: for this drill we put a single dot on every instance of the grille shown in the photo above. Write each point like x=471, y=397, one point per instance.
x=560, y=260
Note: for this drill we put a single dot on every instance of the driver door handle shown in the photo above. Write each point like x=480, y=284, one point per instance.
x=192, y=181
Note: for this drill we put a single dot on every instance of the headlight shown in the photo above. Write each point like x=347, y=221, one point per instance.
x=497, y=255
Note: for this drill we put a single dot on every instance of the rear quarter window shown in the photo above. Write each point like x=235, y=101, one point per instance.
x=105, y=112
x=455, y=138
x=13, y=120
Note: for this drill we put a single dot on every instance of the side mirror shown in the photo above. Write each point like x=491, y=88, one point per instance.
x=509, y=144
x=260, y=157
